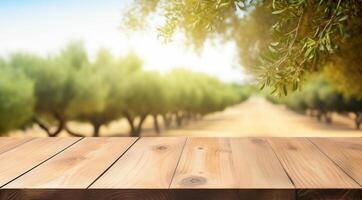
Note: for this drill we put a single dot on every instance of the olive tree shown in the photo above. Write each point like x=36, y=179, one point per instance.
x=49, y=82
x=68, y=86
x=281, y=40
x=90, y=103
x=354, y=105
x=101, y=91
x=142, y=95
x=321, y=97
x=54, y=84
x=16, y=98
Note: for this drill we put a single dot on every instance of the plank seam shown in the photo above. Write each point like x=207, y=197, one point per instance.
x=41, y=162
x=17, y=145
x=280, y=162
x=329, y=158
x=178, y=161
x=100, y=175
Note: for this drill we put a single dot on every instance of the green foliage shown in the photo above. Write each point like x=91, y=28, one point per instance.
x=142, y=93
x=16, y=98
x=345, y=67
x=49, y=79
x=57, y=85
x=100, y=95
x=74, y=55
x=306, y=36
x=280, y=41
x=90, y=93
x=70, y=87
x=320, y=97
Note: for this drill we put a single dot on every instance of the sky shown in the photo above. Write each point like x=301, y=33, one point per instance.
x=45, y=26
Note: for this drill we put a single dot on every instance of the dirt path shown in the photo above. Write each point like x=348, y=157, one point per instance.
x=254, y=118
x=258, y=117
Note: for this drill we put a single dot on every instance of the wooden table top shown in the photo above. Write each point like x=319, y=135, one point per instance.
x=181, y=168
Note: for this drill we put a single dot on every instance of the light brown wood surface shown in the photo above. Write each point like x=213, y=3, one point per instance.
x=229, y=163
x=19, y=160
x=256, y=165
x=205, y=163
x=307, y=166
x=76, y=167
x=345, y=152
x=9, y=143
x=181, y=168
x=150, y=163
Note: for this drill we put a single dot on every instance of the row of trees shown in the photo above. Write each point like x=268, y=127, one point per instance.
x=69, y=87
x=320, y=99
x=305, y=37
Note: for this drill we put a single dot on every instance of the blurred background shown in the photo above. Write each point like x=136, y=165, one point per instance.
x=180, y=68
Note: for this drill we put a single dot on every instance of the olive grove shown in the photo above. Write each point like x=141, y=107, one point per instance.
x=51, y=91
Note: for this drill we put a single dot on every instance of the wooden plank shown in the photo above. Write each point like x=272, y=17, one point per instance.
x=205, y=163
x=77, y=166
x=148, y=194
x=340, y=194
x=9, y=143
x=19, y=160
x=229, y=163
x=256, y=165
x=345, y=152
x=150, y=163
x=307, y=166
x=232, y=194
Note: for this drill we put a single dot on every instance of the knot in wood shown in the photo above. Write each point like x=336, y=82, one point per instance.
x=160, y=147
x=193, y=181
x=291, y=147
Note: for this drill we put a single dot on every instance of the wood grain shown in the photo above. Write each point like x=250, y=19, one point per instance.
x=77, y=166
x=148, y=194
x=9, y=143
x=335, y=194
x=256, y=165
x=150, y=163
x=175, y=168
x=307, y=166
x=229, y=163
x=345, y=152
x=181, y=194
x=205, y=163
x=232, y=194
x=17, y=161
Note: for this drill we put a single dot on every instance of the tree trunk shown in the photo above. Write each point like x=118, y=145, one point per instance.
x=328, y=117
x=358, y=120
x=96, y=129
x=42, y=125
x=134, y=133
x=130, y=121
x=178, y=119
x=319, y=116
x=185, y=117
x=61, y=124
x=167, y=120
x=194, y=116
x=72, y=133
x=155, y=124
x=139, y=126
x=60, y=127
